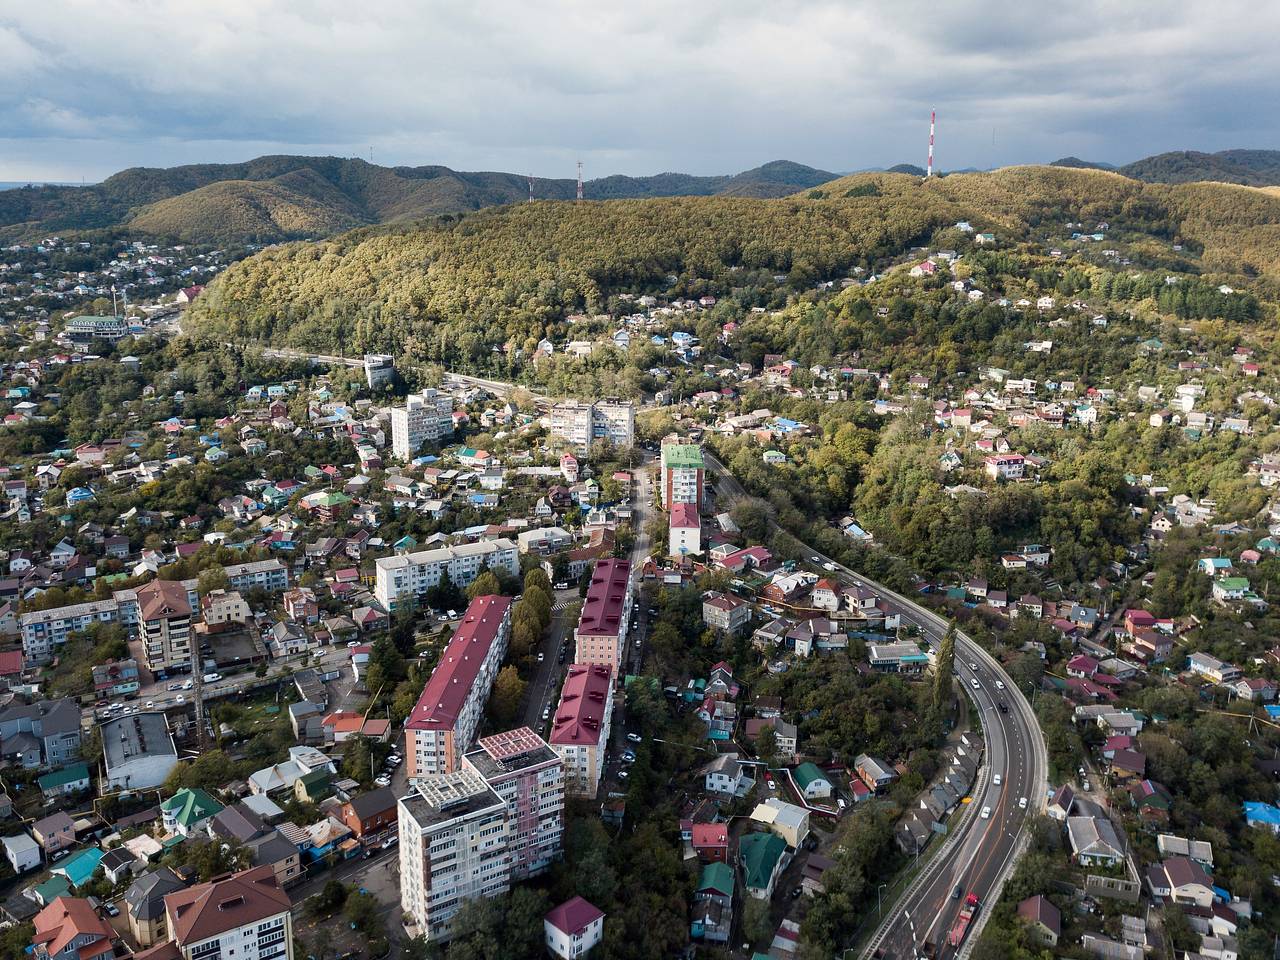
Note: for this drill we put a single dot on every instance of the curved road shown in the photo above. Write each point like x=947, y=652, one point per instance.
x=980, y=851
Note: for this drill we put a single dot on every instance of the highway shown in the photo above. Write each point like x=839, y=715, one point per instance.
x=979, y=852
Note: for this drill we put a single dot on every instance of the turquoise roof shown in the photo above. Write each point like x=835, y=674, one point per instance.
x=79, y=867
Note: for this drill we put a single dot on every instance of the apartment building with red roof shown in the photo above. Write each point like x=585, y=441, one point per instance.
x=448, y=713
x=601, y=634
x=164, y=625
x=580, y=726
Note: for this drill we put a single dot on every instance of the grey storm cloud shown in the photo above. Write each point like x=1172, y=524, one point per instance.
x=629, y=87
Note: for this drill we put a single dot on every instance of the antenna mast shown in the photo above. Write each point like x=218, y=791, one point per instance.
x=579, y=179
x=531, y=189
x=933, y=114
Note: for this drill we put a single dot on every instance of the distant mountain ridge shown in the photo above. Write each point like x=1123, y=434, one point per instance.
x=1076, y=163
x=283, y=197
x=1252, y=168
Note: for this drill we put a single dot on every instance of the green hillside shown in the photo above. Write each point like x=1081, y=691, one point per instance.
x=286, y=197
x=501, y=279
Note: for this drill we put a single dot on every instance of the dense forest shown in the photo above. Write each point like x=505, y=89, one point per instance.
x=480, y=291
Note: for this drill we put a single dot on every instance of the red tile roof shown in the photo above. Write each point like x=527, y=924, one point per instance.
x=451, y=681
x=602, y=609
x=10, y=662
x=684, y=516
x=580, y=714
x=66, y=919
x=162, y=599
x=573, y=916
x=209, y=909
x=710, y=835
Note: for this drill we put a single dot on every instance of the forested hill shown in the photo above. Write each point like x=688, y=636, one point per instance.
x=284, y=197
x=1256, y=168
x=499, y=280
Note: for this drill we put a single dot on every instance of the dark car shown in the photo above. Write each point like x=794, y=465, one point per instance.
x=1004, y=707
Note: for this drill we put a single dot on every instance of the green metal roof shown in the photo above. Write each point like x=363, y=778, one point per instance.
x=683, y=455
x=191, y=806
x=808, y=773
x=718, y=877
x=760, y=853
x=60, y=778
x=56, y=886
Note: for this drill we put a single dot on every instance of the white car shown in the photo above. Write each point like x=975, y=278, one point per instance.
x=986, y=813
x=996, y=780
x=212, y=677
x=973, y=682
x=634, y=737
x=1022, y=803
x=999, y=684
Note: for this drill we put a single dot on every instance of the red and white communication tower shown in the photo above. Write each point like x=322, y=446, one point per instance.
x=579, y=179
x=933, y=115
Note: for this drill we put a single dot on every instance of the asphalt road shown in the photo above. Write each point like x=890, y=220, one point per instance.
x=981, y=850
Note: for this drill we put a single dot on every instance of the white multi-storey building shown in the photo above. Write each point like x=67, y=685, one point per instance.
x=270, y=575
x=529, y=776
x=413, y=574
x=681, y=473
x=425, y=418
x=454, y=841
x=447, y=715
x=43, y=629
x=583, y=423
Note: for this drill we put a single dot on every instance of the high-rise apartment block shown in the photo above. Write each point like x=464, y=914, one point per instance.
x=529, y=776
x=682, y=473
x=448, y=713
x=454, y=847
x=425, y=418
x=601, y=633
x=582, y=423
x=580, y=728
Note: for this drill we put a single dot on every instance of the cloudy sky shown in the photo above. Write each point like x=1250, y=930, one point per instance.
x=88, y=87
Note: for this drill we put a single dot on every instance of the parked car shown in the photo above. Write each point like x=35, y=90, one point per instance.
x=635, y=737
x=212, y=677
x=383, y=781
x=628, y=756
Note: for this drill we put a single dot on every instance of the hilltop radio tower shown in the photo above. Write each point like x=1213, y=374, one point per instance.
x=579, y=179
x=531, y=189
x=933, y=115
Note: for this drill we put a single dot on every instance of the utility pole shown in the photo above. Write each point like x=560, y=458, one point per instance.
x=197, y=694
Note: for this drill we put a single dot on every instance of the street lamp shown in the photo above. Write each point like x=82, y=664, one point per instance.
x=878, y=907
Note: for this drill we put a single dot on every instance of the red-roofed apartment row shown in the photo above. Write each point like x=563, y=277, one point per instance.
x=601, y=633
x=445, y=719
x=580, y=728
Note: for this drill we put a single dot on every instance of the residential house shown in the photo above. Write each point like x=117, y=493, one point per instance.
x=573, y=928
x=763, y=857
